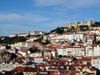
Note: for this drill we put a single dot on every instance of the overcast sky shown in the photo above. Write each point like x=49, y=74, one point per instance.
x=18, y=16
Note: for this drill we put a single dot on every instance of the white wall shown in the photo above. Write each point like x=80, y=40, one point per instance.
x=38, y=60
x=70, y=37
x=71, y=51
x=96, y=63
x=97, y=51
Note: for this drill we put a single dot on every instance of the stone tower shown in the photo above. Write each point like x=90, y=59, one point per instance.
x=90, y=22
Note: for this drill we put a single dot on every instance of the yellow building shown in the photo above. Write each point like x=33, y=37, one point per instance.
x=77, y=24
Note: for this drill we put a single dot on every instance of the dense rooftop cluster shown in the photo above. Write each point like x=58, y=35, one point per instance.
x=59, y=52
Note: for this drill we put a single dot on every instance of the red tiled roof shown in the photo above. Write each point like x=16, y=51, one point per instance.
x=94, y=57
x=65, y=71
x=70, y=71
x=20, y=68
x=67, y=46
x=30, y=69
x=75, y=71
x=92, y=69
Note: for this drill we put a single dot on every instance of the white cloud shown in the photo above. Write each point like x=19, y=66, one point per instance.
x=7, y=29
x=14, y=18
x=67, y=3
x=48, y=2
x=15, y=23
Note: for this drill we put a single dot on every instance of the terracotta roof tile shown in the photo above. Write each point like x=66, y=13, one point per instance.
x=20, y=68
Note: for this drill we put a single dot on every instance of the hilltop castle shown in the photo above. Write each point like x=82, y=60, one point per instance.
x=77, y=24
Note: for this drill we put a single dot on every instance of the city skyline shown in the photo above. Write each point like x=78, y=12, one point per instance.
x=23, y=15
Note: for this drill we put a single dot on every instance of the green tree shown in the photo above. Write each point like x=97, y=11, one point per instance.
x=39, y=40
x=96, y=24
x=60, y=56
x=72, y=29
x=11, y=40
x=46, y=42
x=97, y=42
x=84, y=27
x=59, y=30
x=34, y=49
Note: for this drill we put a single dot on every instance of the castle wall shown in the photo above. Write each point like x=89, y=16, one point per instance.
x=77, y=24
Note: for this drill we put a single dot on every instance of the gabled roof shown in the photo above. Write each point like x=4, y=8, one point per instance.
x=20, y=68
x=30, y=69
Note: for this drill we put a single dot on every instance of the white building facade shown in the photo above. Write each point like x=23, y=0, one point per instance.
x=71, y=51
x=97, y=50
